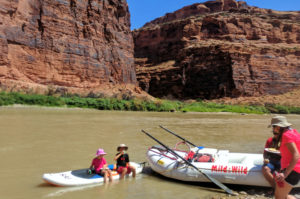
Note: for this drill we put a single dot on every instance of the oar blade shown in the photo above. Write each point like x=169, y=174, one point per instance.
x=219, y=184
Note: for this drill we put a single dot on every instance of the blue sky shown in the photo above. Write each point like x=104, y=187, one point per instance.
x=143, y=11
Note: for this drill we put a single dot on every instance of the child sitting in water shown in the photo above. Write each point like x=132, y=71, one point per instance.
x=123, y=164
x=99, y=165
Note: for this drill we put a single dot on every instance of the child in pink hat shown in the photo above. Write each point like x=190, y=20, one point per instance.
x=99, y=165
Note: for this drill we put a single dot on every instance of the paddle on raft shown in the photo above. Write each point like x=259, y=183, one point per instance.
x=177, y=136
x=219, y=184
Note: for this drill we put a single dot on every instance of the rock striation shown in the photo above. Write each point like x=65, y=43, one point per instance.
x=67, y=46
x=218, y=49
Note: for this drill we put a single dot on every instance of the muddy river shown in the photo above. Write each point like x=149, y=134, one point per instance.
x=36, y=140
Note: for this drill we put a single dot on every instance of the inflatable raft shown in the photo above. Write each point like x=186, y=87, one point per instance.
x=226, y=167
x=81, y=177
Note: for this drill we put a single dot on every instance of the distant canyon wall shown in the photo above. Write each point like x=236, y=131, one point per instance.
x=218, y=49
x=71, y=46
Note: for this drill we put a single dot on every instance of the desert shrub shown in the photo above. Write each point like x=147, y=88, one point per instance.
x=273, y=108
x=104, y=104
x=294, y=110
x=150, y=106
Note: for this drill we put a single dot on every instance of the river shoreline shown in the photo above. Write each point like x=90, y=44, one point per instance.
x=24, y=106
x=159, y=105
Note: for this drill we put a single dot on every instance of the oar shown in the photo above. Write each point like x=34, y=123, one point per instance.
x=177, y=136
x=190, y=164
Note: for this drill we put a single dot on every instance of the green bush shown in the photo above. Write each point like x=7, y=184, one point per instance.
x=117, y=104
x=294, y=110
x=19, y=98
x=150, y=106
x=6, y=99
x=75, y=102
x=273, y=108
x=138, y=105
x=104, y=104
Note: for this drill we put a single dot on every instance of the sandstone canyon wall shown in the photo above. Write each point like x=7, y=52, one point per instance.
x=218, y=49
x=69, y=45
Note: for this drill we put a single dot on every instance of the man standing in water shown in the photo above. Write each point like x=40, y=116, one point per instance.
x=123, y=165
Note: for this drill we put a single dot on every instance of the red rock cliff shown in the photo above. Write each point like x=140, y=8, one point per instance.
x=68, y=45
x=219, y=49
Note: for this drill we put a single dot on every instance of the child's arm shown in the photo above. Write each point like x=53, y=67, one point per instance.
x=117, y=156
x=89, y=171
x=92, y=165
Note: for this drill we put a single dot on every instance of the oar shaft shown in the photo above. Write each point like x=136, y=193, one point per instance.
x=177, y=136
x=190, y=164
x=174, y=153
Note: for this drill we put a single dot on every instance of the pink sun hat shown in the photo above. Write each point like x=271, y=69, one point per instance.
x=100, y=152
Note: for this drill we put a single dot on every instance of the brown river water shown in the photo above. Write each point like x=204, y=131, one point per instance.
x=36, y=140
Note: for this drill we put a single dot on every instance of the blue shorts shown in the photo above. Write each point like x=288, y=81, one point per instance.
x=274, y=166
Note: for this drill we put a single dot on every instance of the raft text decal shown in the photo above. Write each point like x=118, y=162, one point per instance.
x=229, y=169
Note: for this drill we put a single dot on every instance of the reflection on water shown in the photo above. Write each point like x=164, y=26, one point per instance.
x=34, y=141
